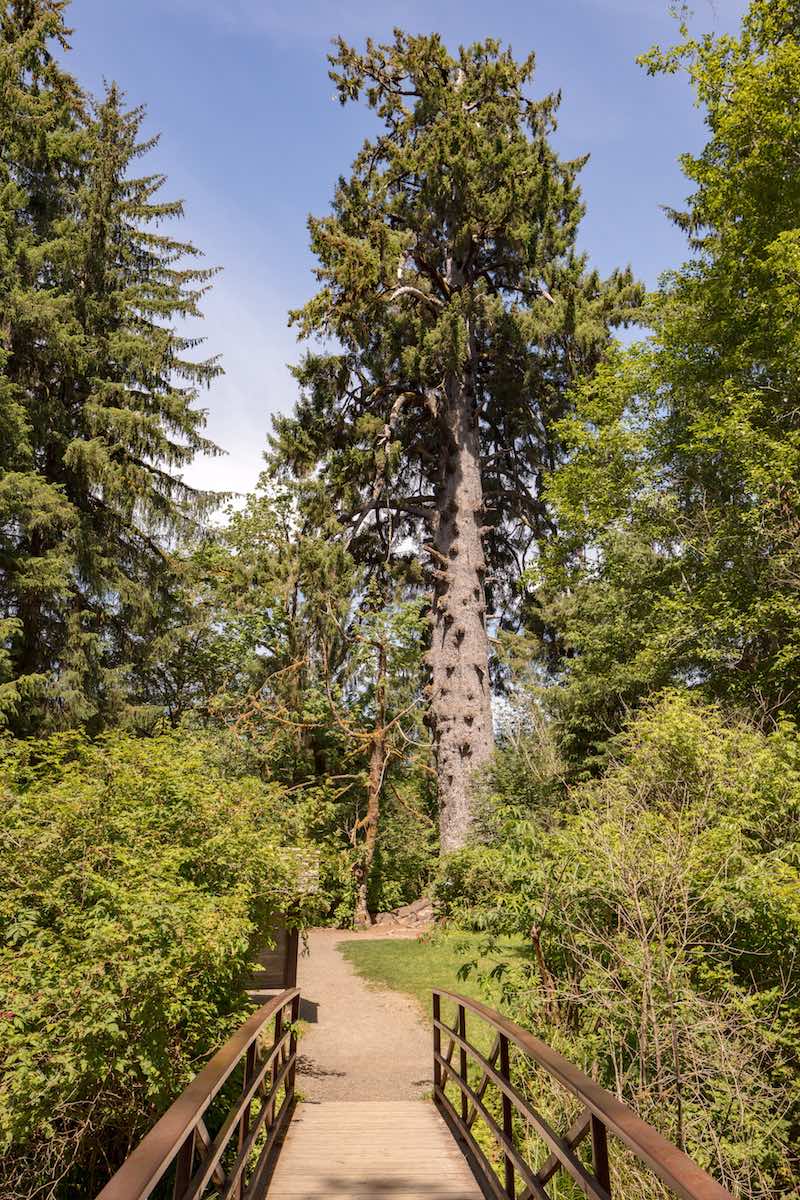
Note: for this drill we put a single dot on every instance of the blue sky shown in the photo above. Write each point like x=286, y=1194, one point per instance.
x=253, y=141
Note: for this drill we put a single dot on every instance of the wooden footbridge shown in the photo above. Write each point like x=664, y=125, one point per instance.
x=238, y=1133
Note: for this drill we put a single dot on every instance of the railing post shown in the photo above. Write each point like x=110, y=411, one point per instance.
x=276, y=1064
x=462, y=1030
x=437, y=1041
x=290, y=966
x=600, y=1153
x=244, y=1119
x=293, y=1050
x=508, y=1115
x=184, y=1162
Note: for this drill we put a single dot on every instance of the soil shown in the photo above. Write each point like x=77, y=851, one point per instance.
x=359, y=1042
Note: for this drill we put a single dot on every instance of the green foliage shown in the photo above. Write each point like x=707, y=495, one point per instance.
x=678, y=509
x=138, y=876
x=661, y=903
x=254, y=628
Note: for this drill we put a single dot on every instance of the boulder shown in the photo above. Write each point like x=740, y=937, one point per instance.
x=408, y=916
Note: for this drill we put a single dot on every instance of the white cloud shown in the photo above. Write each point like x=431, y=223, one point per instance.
x=245, y=322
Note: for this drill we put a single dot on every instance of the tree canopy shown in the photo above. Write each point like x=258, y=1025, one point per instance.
x=678, y=507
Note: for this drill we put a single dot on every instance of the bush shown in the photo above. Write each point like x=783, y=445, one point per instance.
x=137, y=878
x=662, y=911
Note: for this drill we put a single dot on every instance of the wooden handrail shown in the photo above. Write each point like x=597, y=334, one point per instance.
x=180, y=1138
x=602, y=1114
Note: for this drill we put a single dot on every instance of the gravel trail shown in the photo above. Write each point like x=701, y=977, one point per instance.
x=359, y=1043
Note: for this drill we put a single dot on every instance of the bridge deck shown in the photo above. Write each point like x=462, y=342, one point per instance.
x=339, y=1149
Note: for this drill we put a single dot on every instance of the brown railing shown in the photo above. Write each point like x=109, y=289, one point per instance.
x=602, y=1114
x=181, y=1143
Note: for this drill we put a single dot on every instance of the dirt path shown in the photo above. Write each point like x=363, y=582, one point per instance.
x=360, y=1043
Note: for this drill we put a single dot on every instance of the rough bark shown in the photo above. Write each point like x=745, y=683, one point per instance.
x=461, y=714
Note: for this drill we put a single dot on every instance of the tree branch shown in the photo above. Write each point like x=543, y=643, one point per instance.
x=408, y=290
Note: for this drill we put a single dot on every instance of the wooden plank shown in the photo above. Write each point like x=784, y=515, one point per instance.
x=375, y=1185
x=340, y=1150
x=424, y=1195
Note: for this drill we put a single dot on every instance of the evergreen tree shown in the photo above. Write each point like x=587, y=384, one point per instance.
x=100, y=379
x=463, y=313
x=41, y=153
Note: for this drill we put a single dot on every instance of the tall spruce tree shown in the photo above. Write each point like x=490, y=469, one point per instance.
x=101, y=384
x=463, y=313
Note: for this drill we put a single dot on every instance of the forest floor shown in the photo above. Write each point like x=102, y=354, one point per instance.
x=358, y=1042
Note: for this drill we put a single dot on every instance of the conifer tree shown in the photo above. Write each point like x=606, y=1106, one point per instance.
x=41, y=151
x=463, y=313
x=99, y=378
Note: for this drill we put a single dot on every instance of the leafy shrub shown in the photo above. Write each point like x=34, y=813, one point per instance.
x=661, y=904
x=137, y=876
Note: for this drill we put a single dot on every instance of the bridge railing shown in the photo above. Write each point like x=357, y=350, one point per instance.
x=601, y=1114
x=236, y=1159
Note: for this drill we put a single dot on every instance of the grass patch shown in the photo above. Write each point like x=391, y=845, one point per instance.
x=415, y=966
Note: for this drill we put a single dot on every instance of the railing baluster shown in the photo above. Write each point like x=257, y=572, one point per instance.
x=437, y=1040
x=290, y=1078
x=602, y=1115
x=204, y=1138
x=184, y=1162
x=508, y=1117
x=462, y=1030
x=169, y=1144
x=600, y=1153
x=195, y=1158
x=578, y=1130
x=276, y=1065
x=244, y=1120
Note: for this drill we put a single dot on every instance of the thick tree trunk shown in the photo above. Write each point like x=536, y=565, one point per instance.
x=461, y=713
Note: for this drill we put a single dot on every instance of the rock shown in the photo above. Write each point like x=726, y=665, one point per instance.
x=415, y=907
x=408, y=916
